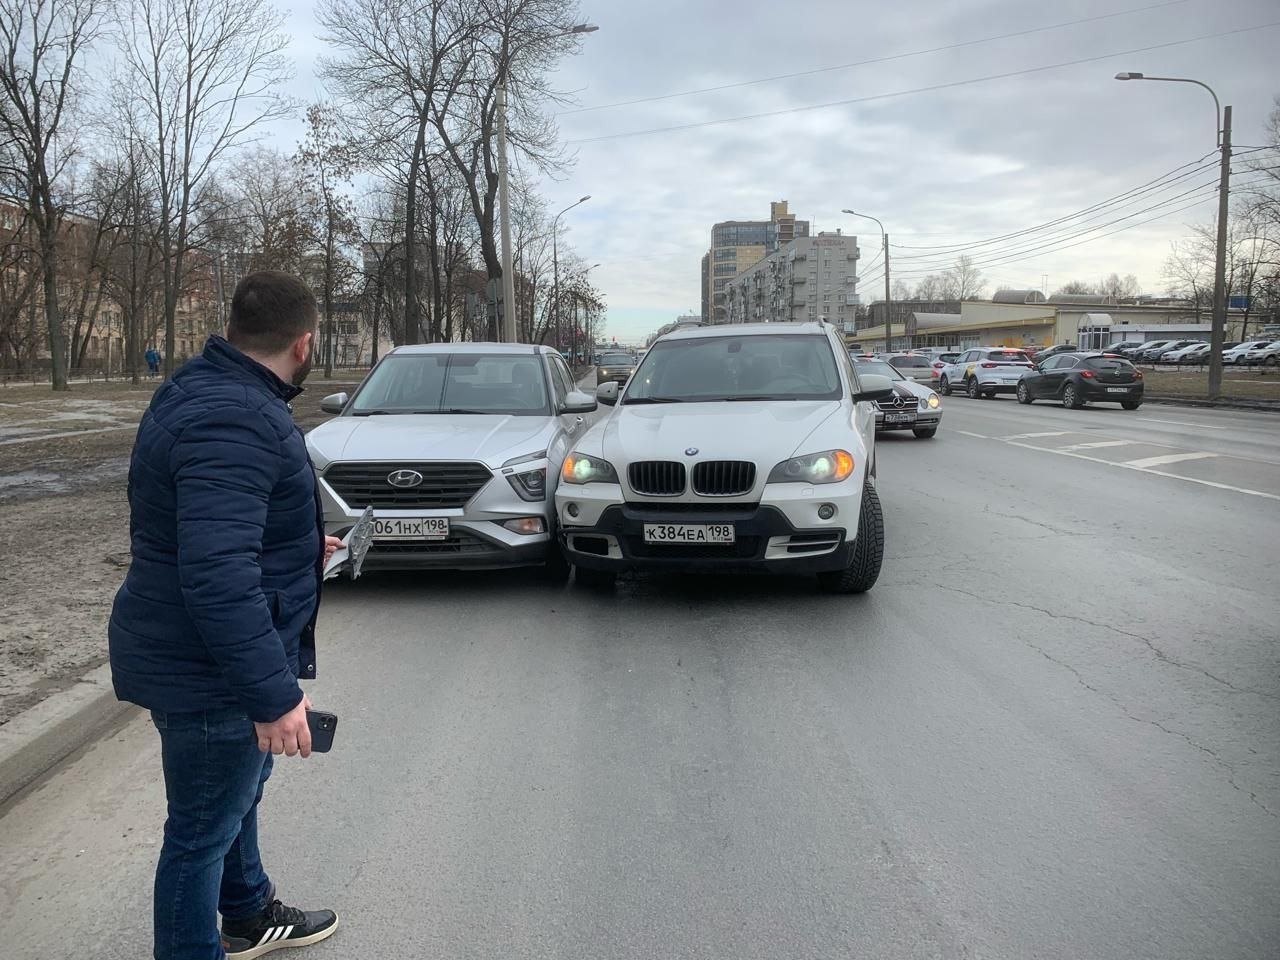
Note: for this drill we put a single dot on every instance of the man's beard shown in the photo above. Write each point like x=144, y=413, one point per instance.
x=301, y=373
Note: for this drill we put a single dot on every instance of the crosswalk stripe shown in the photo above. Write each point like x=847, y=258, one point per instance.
x=1167, y=458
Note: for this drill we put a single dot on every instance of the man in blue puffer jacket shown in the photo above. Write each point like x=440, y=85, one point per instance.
x=214, y=625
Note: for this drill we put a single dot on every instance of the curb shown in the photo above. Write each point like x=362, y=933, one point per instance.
x=1265, y=406
x=35, y=740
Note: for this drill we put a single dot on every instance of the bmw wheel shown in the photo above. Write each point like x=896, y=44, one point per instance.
x=868, y=551
x=1024, y=395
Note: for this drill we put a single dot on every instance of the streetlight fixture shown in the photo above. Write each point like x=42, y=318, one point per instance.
x=1218, y=333
x=504, y=195
x=888, y=302
x=555, y=265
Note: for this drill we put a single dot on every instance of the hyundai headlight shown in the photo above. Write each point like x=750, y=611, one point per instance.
x=579, y=468
x=530, y=485
x=830, y=466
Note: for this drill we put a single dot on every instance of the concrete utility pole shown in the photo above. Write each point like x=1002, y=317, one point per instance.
x=1218, y=330
x=888, y=301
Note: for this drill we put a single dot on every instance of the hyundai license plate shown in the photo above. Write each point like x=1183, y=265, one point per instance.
x=717, y=533
x=897, y=417
x=411, y=528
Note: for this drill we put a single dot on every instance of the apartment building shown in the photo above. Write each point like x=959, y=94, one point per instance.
x=809, y=278
x=737, y=245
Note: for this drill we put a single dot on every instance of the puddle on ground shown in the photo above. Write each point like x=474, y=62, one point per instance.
x=33, y=484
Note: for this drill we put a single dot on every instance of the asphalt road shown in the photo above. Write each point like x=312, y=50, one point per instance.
x=1052, y=730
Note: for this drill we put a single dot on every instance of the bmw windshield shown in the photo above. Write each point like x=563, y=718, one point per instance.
x=461, y=383
x=722, y=369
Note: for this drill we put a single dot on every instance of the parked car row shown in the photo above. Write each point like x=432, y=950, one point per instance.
x=727, y=447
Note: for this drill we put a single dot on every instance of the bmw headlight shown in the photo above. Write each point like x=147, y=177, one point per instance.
x=530, y=485
x=579, y=468
x=830, y=466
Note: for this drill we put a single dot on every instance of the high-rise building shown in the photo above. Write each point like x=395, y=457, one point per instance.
x=737, y=245
x=810, y=278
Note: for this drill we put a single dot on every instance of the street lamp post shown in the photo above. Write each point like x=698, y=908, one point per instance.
x=573, y=338
x=888, y=302
x=508, y=332
x=555, y=267
x=1218, y=333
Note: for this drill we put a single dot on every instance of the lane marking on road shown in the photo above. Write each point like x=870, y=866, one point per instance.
x=1031, y=436
x=1168, y=458
x=68, y=433
x=980, y=436
x=1157, y=473
x=1096, y=444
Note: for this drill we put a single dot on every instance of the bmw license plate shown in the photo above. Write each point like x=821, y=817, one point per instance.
x=719, y=533
x=896, y=417
x=411, y=528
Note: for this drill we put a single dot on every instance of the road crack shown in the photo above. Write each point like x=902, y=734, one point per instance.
x=1226, y=767
x=1159, y=654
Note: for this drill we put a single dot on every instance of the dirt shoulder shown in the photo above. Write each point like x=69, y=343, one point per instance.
x=64, y=527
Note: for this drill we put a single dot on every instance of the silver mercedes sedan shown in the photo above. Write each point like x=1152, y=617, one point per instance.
x=914, y=405
x=457, y=448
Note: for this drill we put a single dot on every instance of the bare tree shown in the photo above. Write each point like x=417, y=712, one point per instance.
x=41, y=45
x=201, y=76
x=901, y=290
x=1076, y=288
x=963, y=281
x=930, y=288
x=1122, y=288
x=327, y=160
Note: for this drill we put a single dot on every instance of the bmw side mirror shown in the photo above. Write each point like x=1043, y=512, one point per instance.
x=873, y=386
x=578, y=402
x=607, y=393
x=334, y=403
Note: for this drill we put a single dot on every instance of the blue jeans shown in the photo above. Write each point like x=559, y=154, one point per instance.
x=213, y=779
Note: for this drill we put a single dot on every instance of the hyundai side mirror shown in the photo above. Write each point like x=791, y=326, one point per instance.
x=874, y=386
x=578, y=402
x=334, y=402
x=607, y=393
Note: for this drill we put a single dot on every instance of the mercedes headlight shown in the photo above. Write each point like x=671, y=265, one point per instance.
x=830, y=466
x=579, y=468
x=931, y=402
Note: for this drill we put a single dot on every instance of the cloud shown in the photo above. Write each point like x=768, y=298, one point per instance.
x=949, y=166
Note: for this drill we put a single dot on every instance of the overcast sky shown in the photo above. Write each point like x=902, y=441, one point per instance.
x=946, y=166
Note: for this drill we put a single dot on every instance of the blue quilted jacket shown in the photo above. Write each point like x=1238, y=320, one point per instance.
x=219, y=605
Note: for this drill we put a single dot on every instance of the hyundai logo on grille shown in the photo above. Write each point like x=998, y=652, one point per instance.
x=691, y=452
x=404, y=478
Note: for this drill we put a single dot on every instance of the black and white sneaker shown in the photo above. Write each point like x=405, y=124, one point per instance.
x=277, y=927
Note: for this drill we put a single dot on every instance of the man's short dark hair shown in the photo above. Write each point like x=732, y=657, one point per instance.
x=270, y=310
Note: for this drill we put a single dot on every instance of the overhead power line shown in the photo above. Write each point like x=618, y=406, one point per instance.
x=926, y=89
x=1156, y=185
x=873, y=60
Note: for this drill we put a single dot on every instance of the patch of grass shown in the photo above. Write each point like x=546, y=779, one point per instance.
x=1242, y=384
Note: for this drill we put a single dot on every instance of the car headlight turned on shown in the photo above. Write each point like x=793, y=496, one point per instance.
x=931, y=402
x=830, y=466
x=579, y=468
x=530, y=485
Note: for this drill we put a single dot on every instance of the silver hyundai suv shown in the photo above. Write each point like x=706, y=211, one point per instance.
x=458, y=449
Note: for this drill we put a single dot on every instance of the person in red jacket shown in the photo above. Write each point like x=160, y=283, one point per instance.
x=214, y=626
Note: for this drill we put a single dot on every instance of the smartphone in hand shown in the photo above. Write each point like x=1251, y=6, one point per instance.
x=323, y=726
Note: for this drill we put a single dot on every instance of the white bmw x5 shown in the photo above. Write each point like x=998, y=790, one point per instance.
x=732, y=446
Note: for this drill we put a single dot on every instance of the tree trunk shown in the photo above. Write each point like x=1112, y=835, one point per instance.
x=53, y=319
x=410, y=225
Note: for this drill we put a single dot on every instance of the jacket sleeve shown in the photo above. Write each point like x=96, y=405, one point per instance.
x=225, y=466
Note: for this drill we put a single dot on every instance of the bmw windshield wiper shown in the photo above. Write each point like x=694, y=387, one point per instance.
x=631, y=400
x=747, y=398
x=376, y=413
